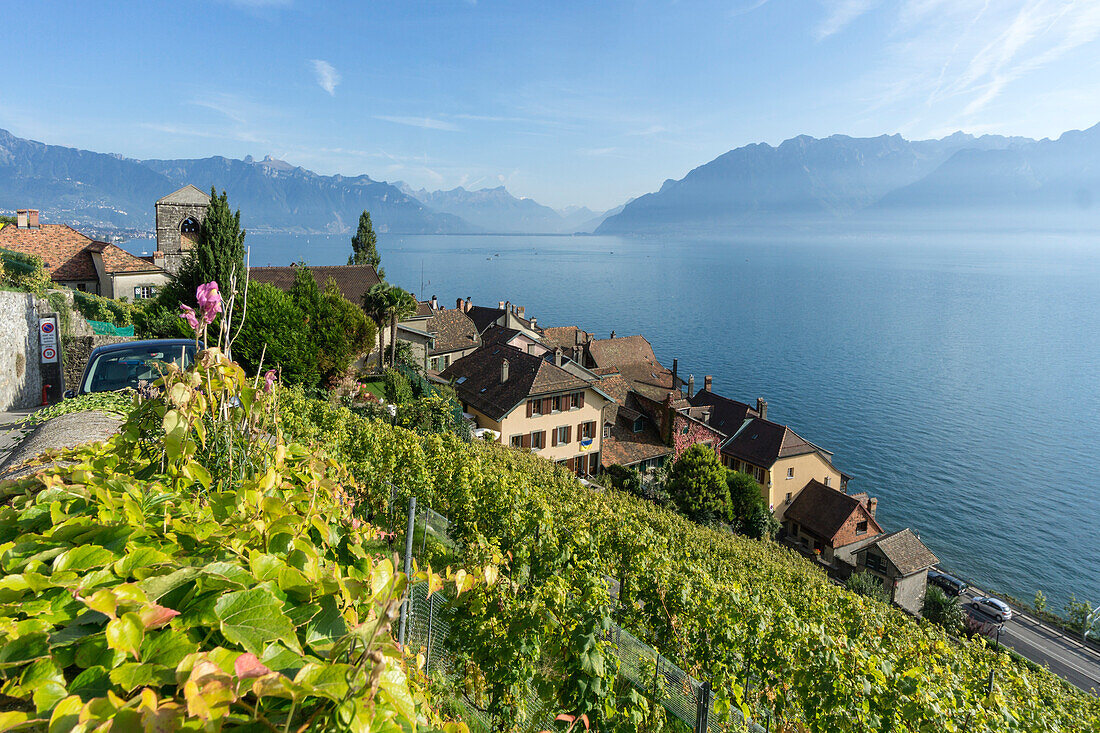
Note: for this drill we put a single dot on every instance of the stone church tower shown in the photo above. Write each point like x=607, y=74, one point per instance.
x=178, y=217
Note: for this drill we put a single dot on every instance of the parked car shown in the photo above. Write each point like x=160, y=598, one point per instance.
x=994, y=607
x=949, y=583
x=117, y=366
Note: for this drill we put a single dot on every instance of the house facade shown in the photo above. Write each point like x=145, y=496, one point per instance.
x=532, y=403
x=901, y=561
x=76, y=261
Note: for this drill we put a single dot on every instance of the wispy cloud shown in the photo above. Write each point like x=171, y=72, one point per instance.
x=839, y=14
x=426, y=123
x=327, y=76
x=947, y=63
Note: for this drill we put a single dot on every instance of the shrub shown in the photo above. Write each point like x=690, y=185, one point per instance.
x=867, y=585
x=397, y=386
x=697, y=483
x=97, y=308
x=275, y=328
x=748, y=512
x=623, y=479
x=943, y=610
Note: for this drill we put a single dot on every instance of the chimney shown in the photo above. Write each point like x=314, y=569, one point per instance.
x=503, y=371
x=691, y=385
x=32, y=219
x=557, y=357
x=675, y=371
x=500, y=305
x=469, y=305
x=708, y=382
x=669, y=399
x=521, y=310
x=533, y=323
x=872, y=506
x=21, y=219
x=458, y=304
x=435, y=303
x=762, y=408
x=706, y=416
x=577, y=337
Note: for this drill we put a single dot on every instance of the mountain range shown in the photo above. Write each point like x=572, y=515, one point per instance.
x=959, y=180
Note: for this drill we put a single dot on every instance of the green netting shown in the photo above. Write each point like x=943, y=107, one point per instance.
x=102, y=328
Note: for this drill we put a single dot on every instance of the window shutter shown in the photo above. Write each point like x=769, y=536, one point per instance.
x=580, y=402
x=554, y=440
x=526, y=440
x=547, y=405
x=530, y=408
x=573, y=464
x=568, y=433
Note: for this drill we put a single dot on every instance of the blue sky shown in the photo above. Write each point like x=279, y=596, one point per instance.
x=570, y=103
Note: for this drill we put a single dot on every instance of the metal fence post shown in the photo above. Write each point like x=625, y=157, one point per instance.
x=408, y=568
x=656, y=675
x=428, y=648
x=702, y=710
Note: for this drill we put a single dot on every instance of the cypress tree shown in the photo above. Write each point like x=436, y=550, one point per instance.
x=364, y=245
x=218, y=255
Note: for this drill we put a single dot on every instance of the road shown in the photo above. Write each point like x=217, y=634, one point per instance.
x=1048, y=646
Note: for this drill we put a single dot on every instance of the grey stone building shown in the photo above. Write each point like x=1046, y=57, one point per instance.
x=901, y=561
x=179, y=215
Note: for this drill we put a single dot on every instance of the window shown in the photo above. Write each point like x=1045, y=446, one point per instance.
x=828, y=480
x=538, y=440
x=574, y=401
x=142, y=292
x=684, y=430
x=861, y=527
x=516, y=441
x=446, y=361
x=189, y=226
x=435, y=364
x=607, y=431
x=788, y=497
x=555, y=404
x=588, y=430
x=639, y=424
x=82, y=287
x=790, y=472
x=535, y=407
x=876, y=562
x=563, y=435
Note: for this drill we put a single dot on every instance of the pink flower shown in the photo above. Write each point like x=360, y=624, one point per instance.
x=210, y=300
x=269, y=380
x=187, y=313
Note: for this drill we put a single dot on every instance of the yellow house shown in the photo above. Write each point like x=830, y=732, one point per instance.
x=780, y=460
x=538, y=403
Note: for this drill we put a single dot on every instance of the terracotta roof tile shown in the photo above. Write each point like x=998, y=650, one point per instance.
x=67, y=254
x=353, y=281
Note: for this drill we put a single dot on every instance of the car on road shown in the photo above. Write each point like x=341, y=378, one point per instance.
x=117, y=366
x=994, y=607
x=949, y=583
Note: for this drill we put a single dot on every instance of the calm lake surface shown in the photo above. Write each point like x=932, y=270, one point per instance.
x=956, y=377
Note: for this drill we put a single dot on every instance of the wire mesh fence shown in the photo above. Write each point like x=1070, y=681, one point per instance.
x=683, y=697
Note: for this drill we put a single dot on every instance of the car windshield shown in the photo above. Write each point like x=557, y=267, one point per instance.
x=115, y=370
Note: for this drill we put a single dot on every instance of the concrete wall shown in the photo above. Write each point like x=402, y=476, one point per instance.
x=122, y=285
x=909, y=591
x=20, y=377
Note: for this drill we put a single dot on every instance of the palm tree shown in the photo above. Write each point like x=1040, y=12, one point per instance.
x=376, y=306
x=402, y=305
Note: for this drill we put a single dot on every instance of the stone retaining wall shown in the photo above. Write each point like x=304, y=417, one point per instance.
x=20, y=378
x=77, y=350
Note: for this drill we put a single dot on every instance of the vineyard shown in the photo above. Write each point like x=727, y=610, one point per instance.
x=774, y=638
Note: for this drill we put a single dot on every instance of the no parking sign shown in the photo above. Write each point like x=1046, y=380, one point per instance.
x=47, y=338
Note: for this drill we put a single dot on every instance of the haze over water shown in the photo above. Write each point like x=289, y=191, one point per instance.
x=954, y=376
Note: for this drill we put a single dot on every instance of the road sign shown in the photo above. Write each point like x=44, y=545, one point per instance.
x=47, y=338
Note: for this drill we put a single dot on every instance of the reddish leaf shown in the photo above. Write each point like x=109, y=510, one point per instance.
x=248, y=666
x=154, y=616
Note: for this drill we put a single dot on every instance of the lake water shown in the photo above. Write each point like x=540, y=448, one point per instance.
x=956, y=377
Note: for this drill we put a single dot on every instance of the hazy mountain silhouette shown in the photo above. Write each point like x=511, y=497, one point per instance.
x=80, y=187
x=807, y=180
x=498, y=211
